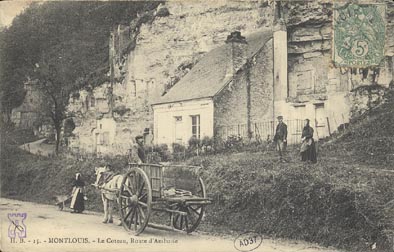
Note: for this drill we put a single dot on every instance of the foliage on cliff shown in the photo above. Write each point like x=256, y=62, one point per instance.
x=62, y=45
x=68, y=38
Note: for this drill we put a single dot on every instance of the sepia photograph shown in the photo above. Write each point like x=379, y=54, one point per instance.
x=197, y=125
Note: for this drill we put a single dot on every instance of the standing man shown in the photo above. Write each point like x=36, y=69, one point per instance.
x=140, y=149
x=280, y=137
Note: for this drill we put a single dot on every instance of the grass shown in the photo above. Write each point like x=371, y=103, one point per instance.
x=345, y=200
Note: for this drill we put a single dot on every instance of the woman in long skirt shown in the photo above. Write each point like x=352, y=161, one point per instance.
x=308, y=148
x=78, y=195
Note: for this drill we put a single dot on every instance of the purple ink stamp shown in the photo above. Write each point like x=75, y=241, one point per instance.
x=17, y=227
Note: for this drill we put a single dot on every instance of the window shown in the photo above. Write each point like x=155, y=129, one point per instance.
x=104, y=138
x=178, y=129
x=196, y=126
x=305, y=80
x=92, y=101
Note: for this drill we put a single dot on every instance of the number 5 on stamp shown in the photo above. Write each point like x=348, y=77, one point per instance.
x=359, y=35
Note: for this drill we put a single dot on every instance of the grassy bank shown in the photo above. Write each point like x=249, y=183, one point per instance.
x=345, y=200
x=34, y=178
x=331, y=202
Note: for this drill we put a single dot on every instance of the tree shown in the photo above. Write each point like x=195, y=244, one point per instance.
x=62, y=45
x=11, y=82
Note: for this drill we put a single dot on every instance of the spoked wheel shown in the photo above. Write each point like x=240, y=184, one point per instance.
x=194, y=213
x=135, y=200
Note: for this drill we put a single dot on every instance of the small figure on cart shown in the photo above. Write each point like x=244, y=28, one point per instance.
x=78, y=195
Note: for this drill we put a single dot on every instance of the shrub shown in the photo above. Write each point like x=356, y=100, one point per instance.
x=194, y=143
x=158, y=153
x=234, y=142
x=176, y=147
x=207, y=144
x=162, y=12
x=121, y=110
x=178, y=151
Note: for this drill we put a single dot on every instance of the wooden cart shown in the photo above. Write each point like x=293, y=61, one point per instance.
x=145, y=188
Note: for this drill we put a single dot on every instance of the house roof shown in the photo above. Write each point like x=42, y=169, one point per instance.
x=208, y=77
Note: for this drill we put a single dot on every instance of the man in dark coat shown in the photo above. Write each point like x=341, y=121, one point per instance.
x=280, y=137
x=140, y=149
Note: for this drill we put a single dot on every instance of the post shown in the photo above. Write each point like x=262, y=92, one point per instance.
x=112, y=71
x=328, y=125
x=248, y=101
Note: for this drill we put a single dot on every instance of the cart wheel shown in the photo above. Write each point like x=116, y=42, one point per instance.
x=135, y=200
x=190, y=222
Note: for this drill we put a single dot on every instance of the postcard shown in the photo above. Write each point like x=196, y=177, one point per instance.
x=196, y=125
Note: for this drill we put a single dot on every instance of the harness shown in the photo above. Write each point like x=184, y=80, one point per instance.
x=108, y=176
x=105, y=178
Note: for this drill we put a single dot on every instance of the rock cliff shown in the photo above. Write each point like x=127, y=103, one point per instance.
x=160, y=47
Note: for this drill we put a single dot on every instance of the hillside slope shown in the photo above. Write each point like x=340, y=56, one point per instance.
x=345, y=200
x=369, y=139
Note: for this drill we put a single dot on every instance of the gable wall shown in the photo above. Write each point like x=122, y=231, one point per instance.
x=231, y=104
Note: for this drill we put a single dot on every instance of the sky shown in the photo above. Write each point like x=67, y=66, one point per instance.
x=10, y=9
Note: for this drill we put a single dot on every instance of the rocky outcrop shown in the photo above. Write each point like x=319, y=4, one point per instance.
x=150, y=55
x=366, y=98
x=158, y=48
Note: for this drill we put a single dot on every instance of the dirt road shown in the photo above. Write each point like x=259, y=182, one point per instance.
x=48, y=229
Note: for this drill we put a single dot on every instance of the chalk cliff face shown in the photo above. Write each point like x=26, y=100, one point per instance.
x=165, y=50
x=168, y=42
x=171, y=45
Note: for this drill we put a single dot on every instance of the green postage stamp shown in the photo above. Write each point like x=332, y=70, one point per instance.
x=359, y=34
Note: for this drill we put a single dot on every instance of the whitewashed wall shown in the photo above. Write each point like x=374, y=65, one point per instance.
x=167, y=132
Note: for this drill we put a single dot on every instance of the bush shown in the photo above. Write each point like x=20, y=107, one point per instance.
x=194, y=143
x=158, y=153
x=162, y=12
x=121, y=110
x=234, y=142
x=207, y=144
x=176, y=148
x=178, y=151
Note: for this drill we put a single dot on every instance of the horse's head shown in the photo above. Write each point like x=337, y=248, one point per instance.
x=99, y=171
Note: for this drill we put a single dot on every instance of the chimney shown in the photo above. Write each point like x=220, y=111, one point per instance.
x=280, y=61
x=237, y=52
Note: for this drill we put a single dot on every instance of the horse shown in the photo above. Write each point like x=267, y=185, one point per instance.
x=110, y=184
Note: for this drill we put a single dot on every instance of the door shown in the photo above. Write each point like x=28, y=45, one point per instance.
x=178, y=130
x=321, y=121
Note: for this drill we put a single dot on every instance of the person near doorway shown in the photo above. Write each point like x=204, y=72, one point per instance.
x=308, y=148
x=280, y=138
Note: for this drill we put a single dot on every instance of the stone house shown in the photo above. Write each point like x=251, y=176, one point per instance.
x=285, y=70
x=27, y=114
x=226, y=87
x=241, y=87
